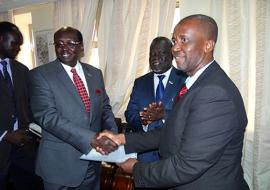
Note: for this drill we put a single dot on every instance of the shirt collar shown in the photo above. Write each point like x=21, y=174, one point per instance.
x=191, y=79
x=167, y=73
x=78, y=67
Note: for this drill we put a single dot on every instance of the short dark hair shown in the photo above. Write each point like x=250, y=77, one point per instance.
x=162, y=40
x=209, y=24
x=8, y=27
x=69, y=29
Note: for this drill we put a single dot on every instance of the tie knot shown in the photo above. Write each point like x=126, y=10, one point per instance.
x=4, y=63
x=73, y=71
x=161, y=77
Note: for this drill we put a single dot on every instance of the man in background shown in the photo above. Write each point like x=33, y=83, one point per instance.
x=17, y=146
x=69, y=102
x=153, y=94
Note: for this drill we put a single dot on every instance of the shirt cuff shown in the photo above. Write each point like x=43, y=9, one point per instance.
x=145, y=128
x=3, y=135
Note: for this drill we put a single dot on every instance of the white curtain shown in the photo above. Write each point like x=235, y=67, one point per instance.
x=243, y=51
x=80, y=14
x=7, y=16
x=126, y=30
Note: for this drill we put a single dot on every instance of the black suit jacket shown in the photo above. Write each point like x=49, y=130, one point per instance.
x=201, y=142
x=20, y=84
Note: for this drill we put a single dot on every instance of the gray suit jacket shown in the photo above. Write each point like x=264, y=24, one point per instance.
x=201, y=142
x=67, y=128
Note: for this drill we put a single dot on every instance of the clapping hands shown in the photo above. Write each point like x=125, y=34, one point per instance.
x=154, y=111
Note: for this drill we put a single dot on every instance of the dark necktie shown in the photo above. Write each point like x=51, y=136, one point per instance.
x=160, y=88
x=81, y=89
x=182, y=92
x=10, y=89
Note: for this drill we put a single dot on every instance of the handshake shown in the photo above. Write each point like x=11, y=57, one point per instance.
x=106, y=142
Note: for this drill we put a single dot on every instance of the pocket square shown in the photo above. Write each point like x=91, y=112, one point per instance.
x=98, y=91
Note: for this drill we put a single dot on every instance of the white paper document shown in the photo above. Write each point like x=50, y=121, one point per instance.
x=117, y=156
x=34, y=128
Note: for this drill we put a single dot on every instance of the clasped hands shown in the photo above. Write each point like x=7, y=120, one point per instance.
x=108, y=141
x=154, y=111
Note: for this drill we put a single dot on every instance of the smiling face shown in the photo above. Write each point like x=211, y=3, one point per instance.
x=192, y=48
x=160, y=57
x=10, y=44
x=68, y=46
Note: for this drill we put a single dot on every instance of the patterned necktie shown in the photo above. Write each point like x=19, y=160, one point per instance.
x=182, y=92
x=81, y=89
x=10, y=89
x=160, y=88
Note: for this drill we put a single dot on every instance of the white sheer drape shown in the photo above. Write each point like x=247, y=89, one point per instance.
x=7, y=16
x=243, y=51
x=80, y=14
x=126, y=30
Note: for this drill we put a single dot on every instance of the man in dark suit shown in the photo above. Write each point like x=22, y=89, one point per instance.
x=17, y=147
x=69, y=102
x=145, y=93
x=202, y=139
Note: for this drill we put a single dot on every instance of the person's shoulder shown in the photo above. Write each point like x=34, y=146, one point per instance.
x=145, y=77
x=91, y=69
x=20, y=65
x=45, y=67
x=88, y=66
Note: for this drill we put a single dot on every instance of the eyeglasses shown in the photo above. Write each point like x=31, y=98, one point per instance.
x=69, y=44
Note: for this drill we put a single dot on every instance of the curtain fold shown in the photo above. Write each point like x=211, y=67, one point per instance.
x=243, y=52
x=80, y=14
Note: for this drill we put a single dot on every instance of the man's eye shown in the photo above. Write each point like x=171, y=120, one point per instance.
x=183, y=40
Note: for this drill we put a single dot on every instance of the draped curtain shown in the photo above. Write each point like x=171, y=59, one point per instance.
x=80, y=14
x=125, y=32
x=243, y=51
x=7, y=16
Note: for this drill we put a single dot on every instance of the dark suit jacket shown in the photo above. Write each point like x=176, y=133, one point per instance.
x=67, y=128
x=143, y=94
x=201, y=142
x=20, y=83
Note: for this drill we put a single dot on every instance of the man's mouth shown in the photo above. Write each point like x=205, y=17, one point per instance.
x=66, y=55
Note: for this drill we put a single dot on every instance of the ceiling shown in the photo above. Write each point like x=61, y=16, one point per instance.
x=6, y=5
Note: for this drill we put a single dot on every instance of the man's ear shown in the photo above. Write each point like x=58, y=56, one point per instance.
x=209, y=46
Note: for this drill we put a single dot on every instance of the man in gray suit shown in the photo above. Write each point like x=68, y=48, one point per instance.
x=69, y=101
x=201, y=142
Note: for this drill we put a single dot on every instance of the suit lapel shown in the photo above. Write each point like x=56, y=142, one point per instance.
x=66, y=81
x=171, y=87
x=150, y=85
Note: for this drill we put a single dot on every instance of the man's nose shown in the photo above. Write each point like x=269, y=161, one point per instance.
x=175, y=47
